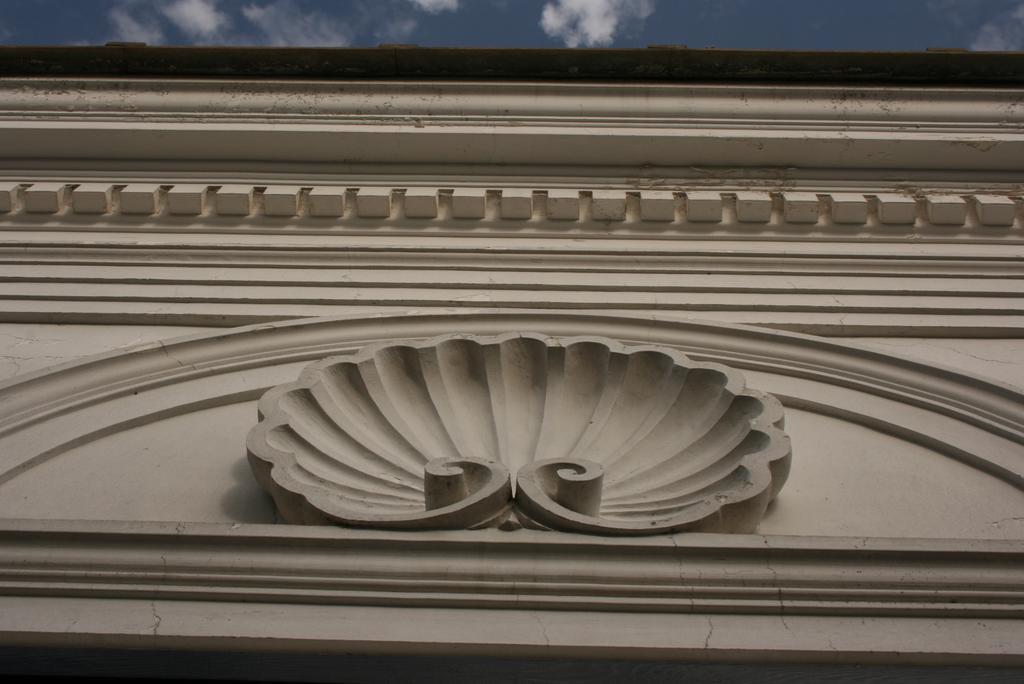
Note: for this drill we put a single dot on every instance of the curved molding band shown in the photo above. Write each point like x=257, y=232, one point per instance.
x=43, y=414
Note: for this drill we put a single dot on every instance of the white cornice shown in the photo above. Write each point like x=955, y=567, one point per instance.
x=439, y=124
x=148, y=233
x=494, y=103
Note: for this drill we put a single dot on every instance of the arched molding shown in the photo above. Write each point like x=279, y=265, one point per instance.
x=44, y=414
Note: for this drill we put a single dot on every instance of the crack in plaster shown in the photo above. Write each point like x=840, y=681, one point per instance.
x=999, y=523
x=775, y=583
x=155, y=627
x=172, y=357
x=543, y=628
x=21, y=341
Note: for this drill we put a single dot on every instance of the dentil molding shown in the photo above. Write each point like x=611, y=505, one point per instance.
x=326, y=205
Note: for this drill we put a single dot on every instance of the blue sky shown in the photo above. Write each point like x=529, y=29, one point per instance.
x=757, y=24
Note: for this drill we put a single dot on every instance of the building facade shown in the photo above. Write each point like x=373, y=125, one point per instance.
x=183, y=230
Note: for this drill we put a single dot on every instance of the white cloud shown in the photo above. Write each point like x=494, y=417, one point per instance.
x=591, y=22
x=435, y=6
x=395, y=29
x=961, y=13
x=197, y=18
x=283, y=23
x=1003, y=32
x=128, y=27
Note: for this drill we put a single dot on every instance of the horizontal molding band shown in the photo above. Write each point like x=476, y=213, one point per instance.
x=405, y=277
x=849, y=288
x=306, y=631
x=472, y=261
x=682, y=574
x=807, y=106
x=997, y=251
x=833, y=324
x=572, y=176
x=696, y=209
x=441, y=296
x=79, y=122
x=133, y=143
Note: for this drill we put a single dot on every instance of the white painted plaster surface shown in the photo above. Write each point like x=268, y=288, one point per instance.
x=189, y=467
x=999, y=359
x=28, y=347
x=850, y=480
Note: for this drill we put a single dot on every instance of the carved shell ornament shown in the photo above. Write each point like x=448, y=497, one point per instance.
x=574, y=434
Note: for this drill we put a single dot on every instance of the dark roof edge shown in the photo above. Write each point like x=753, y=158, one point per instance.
x=668, y=63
